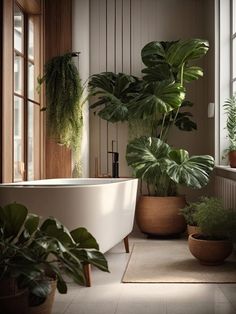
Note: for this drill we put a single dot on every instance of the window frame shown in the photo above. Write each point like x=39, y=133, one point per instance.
x=34, y=8
x=25, y=93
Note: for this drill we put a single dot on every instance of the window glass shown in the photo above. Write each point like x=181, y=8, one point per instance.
x=33, y=140
x=18, y=139
x=234, y=58
x=31, y=40
x=31, y=81
x=18, y=74
x=18, y=29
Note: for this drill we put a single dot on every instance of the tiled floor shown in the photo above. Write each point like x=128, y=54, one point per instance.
x=109, y=296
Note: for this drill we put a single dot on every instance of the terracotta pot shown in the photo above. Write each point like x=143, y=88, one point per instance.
x=12, y=299
x=45, y=307
x=160, y=215
x=193, y=229
x=232, y=158
x=209, y=252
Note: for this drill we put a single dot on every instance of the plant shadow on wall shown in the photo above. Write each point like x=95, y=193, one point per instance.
x=159, y=101
x=35, y=256
x=64, y=98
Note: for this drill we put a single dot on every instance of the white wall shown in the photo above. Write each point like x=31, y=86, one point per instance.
x=80, y=42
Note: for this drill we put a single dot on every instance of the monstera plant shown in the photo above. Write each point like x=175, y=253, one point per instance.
x=158, y=100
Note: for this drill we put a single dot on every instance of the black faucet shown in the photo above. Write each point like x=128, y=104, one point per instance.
x=115, y=163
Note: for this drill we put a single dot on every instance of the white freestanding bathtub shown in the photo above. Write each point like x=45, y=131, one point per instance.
x=104, y=206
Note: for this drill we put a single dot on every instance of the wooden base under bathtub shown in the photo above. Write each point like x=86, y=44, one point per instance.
x=87, y=267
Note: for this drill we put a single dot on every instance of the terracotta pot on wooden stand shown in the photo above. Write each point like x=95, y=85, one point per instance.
x=232, y=158
x=160, y=215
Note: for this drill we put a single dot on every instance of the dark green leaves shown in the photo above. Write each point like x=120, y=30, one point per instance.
x=156, y=98
x=12, y=218
x=151, y=158
x=84, y=239
x=114, y=92
x=146, y=155
x=189, y=171
x=177, y=56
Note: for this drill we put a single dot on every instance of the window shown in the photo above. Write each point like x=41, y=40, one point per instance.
x=26, y=107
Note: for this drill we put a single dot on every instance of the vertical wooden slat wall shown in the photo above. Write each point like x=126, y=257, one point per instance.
x=58, y=40
x=118, y=31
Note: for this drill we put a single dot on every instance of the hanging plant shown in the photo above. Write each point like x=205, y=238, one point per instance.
x=64, y=101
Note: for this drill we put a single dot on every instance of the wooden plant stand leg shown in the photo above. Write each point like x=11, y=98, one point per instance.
x=126, y=243
x=87, y=274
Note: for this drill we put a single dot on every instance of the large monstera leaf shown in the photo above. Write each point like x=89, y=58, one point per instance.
x=146, y=155
x=156, y=98
x=189, y=171
x=177, y=55
x=114, y=92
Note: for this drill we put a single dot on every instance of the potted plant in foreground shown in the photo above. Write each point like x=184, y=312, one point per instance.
x=158, y=100
x=230, y=110
x=35, y=256
x=213, y=244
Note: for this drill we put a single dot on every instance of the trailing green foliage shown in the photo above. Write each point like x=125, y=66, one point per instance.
x=26, y=245
x=214, y=221
x=64, y=101
x=230, y=110
x=158, y=164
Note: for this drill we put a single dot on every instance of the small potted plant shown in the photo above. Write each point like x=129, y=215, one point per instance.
x=213, y=244
x=189, y=212
x=35, y=257
x=230, y=110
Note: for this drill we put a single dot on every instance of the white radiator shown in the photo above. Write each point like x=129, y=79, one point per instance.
x=226, y=190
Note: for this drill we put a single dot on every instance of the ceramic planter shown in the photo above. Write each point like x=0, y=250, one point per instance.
x=160, y=215
x=209, y=252
x=232, y=158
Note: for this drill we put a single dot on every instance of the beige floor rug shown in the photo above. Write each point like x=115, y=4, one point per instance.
x=169, y=261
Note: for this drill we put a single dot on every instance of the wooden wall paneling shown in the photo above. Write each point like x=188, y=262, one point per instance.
x=7, y=97
x=111, y=66
x=126, y=62
x=103, y=149
x=58, y=40
x=94, y=68
x=135, y=37
x=1, y=75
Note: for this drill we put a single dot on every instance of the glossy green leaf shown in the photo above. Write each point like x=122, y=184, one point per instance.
x=84, y=239
x=189, y=171
x=12, y=218
x=114, y=92
x=146, y=155
x=159, y=97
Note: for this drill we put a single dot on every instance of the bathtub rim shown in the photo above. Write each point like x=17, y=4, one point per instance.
x=28, y=185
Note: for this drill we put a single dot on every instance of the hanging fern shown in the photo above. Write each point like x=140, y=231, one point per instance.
x=64, y=101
